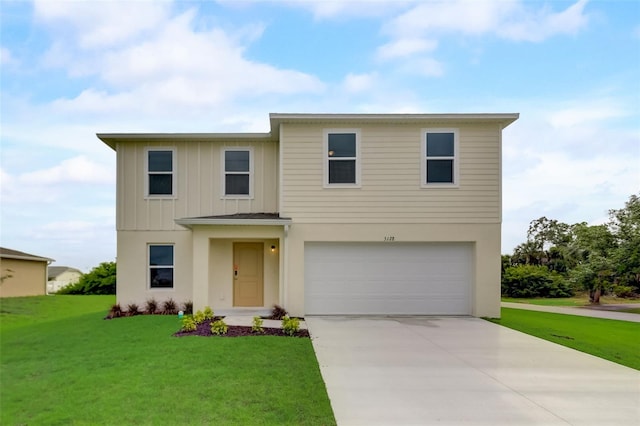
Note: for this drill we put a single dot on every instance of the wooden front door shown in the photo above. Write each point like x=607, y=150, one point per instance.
x=248, y=286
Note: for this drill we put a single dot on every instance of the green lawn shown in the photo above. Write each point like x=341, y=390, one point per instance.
x=579, y=300
x=617, y=341
x=61, y=363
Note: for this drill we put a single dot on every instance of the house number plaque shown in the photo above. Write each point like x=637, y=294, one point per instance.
x=389, y=238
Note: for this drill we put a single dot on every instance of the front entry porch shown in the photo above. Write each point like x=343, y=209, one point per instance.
x=238, y=264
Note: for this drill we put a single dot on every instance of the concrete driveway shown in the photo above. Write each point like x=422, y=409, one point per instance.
x=464, y=371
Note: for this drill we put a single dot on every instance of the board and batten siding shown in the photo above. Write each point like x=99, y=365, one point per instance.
x=199, y=174
x=390, y=190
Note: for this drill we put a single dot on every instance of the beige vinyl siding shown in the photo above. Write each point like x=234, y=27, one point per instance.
x=198, y=184
x=391, y=177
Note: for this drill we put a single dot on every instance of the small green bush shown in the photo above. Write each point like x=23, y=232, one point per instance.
x=290, y=326
x=219, y=327
x=256, y=326
x=188, y=324
x=199, y=317
x=208, y=313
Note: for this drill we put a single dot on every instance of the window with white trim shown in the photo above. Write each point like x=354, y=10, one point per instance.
x=238, y=172
x=161, y=265
x=440, y=157
x=342, y=166
x=160, y=172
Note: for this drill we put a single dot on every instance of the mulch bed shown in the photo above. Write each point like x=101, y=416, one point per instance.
x=204, y=329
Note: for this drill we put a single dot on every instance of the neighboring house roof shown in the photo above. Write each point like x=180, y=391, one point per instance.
x=55, y=271
x=275, y=119
x=236, y=219
x=6, y=253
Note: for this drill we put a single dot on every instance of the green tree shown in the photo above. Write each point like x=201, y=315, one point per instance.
x=625, y=227
x=100, y=280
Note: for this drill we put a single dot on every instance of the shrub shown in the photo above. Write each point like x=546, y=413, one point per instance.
x=534, y=281
x=169, y=307
x=115, y=311
x=187, y=307
x=133, y=309
x=199, y=317
x=151, y=306
x=219, y=327
x=188, y=324
x=278, y=312
x=256, y=326
x=100, y=280
x=290, y=326
x=624, y=291
x=208, y=313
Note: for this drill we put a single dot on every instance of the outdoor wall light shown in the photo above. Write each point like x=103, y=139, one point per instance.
x=273, y=249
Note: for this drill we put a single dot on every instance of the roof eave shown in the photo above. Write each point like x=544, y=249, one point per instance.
x=278, y=118
x=190, y=222
x=111, y=139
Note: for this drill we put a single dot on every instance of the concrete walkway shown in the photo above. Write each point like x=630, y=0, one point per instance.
x=464, y=371
x=584, y=312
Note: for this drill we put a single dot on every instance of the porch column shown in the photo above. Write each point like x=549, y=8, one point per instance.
x=200, y=270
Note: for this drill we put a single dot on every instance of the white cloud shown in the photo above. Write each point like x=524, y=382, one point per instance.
x=103, y=24
x=6, y=57
x=73, y=170
x=52, y=184
x=354, y=83
x=543, y=24
x=510, y=19
x=174, y=66
x=405, y=47
x=342, y=9
x=584, y=114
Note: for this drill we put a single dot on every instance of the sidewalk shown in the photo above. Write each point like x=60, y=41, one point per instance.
x=583, y=312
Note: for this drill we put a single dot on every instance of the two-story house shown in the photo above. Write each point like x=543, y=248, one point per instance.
x=324, y=214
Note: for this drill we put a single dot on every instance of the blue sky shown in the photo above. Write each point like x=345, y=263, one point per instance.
x=72, y=69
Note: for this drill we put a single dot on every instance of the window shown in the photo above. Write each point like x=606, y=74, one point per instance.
x=160, y=176
x=161, y=266
x=439, y=162
x=237, y=168
x=342, y=167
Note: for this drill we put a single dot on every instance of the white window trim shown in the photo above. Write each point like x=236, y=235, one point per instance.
x=223, y=188
x=456, y=158
x=325, y=159
x=149, y=266
x=174, y=174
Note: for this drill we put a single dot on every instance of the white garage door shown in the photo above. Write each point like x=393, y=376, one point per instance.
x=388, y=278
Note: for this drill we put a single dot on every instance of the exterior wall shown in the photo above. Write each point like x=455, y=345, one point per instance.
x=485, y=237
x=64, y=279
x=28, y=277
x=390, y=189
x=199, y=174
x=132, y=284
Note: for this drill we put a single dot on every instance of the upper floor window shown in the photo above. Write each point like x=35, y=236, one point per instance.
x=161, y=266
x=160, y=172
x=440, y=157
x=238, y=170
x=342, y=165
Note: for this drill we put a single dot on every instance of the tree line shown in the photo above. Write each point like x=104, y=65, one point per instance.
x=559, y=259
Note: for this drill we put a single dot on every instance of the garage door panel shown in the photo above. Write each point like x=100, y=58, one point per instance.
x=371, y=278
